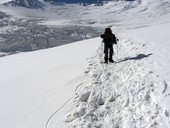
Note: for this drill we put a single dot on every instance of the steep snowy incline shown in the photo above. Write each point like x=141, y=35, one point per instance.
x=35, y=84
x=124, y=94
x=132, y=93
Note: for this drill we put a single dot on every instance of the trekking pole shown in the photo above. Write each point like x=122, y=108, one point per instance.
x=117, y=52
x=117, y=48
x=100, y=51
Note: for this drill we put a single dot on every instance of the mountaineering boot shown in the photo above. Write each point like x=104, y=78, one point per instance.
x=106, y=59
x=111, y=60
x=105, y=62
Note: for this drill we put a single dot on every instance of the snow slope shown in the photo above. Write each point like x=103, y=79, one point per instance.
x=37, y=83
x=60, y=88
x=158, y=38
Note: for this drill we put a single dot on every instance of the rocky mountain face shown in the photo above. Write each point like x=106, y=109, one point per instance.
x=26, y=3
x=3, y=15
x=28, y=35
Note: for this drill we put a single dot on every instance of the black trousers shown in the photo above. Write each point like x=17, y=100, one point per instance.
x=108, y=51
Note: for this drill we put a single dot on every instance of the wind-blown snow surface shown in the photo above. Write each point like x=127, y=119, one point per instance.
x=59, y=88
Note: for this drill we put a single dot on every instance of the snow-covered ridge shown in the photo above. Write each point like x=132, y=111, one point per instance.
x=127, y=94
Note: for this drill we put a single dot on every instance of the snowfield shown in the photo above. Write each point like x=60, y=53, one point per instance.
x=37, y=83
x=69, y=86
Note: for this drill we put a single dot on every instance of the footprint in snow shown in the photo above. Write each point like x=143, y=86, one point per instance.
x=84, y=96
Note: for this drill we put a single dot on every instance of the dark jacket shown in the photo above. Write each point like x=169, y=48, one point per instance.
x=109, y=39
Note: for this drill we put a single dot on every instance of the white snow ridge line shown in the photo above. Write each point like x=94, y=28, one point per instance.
x=119, y=95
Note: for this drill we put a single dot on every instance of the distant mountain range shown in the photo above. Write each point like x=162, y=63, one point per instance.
x=82, y=1
x=76, y=1
x=40, y=3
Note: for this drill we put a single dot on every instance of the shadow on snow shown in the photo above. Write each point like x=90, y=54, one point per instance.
x=138, y=57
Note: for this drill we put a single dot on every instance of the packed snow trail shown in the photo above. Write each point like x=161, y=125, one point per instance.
x=120, y=95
